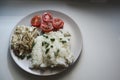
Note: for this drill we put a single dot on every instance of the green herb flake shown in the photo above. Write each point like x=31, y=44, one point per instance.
x=63, y=42
x=21, y=56
x=29, y=56
x=43, y=43
x=47, y=44
x=60, y=38
x=52, y=39
x=33, y=44
x=51, y=46
x=47, y=50
x=45, y=36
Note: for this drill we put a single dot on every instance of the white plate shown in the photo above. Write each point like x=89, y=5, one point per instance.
x=76, y=41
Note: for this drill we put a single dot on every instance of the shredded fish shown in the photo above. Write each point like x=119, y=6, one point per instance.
x=23, y=40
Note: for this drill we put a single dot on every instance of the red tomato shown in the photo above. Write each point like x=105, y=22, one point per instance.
x=36, y=21
x=57, y=23
x=46, y=27
x=47, y=17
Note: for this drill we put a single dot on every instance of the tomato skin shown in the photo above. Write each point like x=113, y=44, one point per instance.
x=47, y=17
x=36, y=21
x=46, y=27
x=47, y=22
x=62, y=24
x=57, y=23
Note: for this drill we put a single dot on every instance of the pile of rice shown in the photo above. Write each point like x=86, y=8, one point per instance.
x=52, y=50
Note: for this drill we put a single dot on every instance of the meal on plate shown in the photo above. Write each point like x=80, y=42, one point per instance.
x=51, y=48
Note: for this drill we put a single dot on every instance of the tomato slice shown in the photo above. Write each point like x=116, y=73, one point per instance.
x=36, y=21
x=57, y=23
x=46, y=27
x=47, y=17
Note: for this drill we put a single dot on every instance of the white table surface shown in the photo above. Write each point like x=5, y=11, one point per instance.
x=100, y=27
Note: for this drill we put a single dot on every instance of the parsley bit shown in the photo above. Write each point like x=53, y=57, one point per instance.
x=33, y=44
x=47, y=45
x=52, y=39
x=29, y=56
x=60, y=38
x=51, y=46
x=45, y=36
x=47, y=50
x=44, y=43
x=63, y=42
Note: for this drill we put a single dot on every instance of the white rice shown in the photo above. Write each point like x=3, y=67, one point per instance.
x=59, y=53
